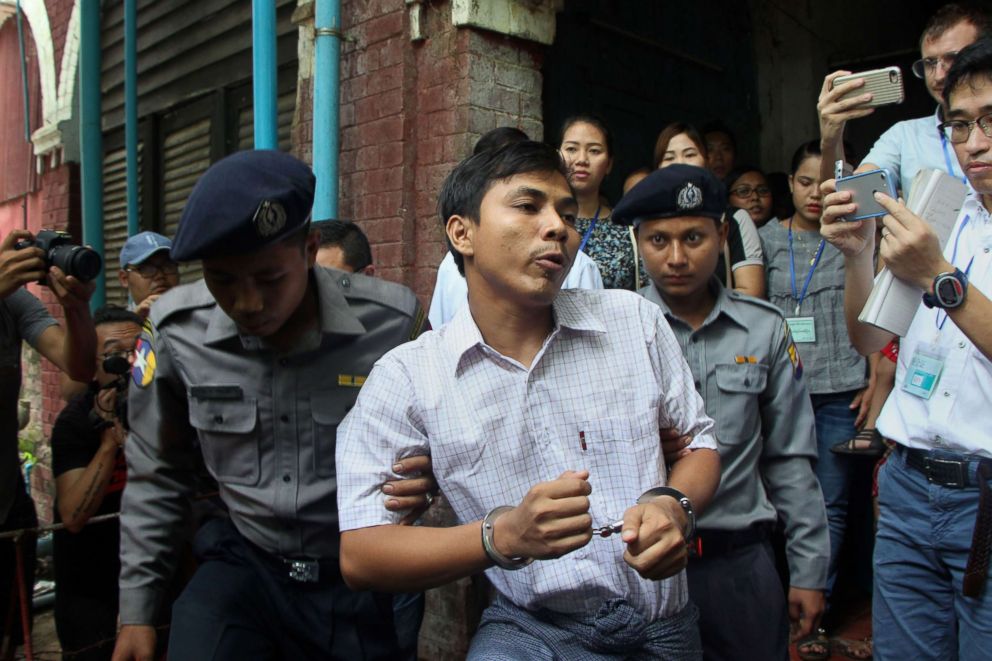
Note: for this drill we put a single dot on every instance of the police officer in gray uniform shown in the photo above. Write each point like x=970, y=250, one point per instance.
x=253, y=367
x=746, y=367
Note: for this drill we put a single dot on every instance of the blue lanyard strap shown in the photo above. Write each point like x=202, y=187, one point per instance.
x=800, y=297
x=954, y=257
x=947, y=158
x=592, y=226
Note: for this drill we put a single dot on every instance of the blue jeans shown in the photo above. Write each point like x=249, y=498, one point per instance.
x=924, y=535
x=834, y=424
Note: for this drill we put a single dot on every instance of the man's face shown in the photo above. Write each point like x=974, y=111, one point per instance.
x=118, y=337
x=953, y=40
x=520, y=249
x=260, y=291
x=971, y=99
x=720, y=153
x=156, y=275
x=680, y=254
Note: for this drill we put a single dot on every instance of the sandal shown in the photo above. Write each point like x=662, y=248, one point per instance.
x=856, y=446
x=854, y=649
x=817, y=639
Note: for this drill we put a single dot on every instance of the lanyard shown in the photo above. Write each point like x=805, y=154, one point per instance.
x=800, y=297
x=592, y=226
x=954, y=256
x=947, y=158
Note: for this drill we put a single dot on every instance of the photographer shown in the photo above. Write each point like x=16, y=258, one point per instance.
x=90, y=473
x=23, y=317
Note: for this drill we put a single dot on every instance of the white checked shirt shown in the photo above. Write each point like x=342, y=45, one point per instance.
x=956, y=415
x=610, y=375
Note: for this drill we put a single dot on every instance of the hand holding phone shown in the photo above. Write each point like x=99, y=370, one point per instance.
x=884, y=85
x=863, y=187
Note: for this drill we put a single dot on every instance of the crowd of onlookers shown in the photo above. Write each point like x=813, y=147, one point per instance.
x=755, y=273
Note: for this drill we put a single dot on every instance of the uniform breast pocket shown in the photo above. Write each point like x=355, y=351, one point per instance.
x=329, y=407
x=228, y=432
x=738, y=415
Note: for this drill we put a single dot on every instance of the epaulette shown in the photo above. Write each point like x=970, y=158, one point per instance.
x=184, y=297
x=376, y=290
x=760, y=302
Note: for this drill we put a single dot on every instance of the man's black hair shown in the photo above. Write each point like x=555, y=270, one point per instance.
x=499, y=137
x=953, y=13
x=716, y=126
x=114, y=314
x=972, y=63
x=350, y=238
x=463, y=189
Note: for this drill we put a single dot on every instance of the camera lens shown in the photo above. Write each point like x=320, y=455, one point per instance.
x=83, y=263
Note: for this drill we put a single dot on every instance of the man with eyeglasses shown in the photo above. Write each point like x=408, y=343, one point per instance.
x=88, y=464
x=931, y=597
x=911, y=145
x=147, y=270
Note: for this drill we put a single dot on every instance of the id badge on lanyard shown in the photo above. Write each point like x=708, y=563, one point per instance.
x=925, y=368
x=803, y=329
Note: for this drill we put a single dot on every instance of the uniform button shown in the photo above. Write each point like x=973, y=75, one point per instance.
x=284, y=418
x=286, y=478
x=986, y=250
x=345, y=282
x=747, y=382
x=947, y=394
x=218, y=419
x=960, y=345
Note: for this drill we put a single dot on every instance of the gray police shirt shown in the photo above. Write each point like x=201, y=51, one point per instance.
x=265, y=423
x=746, y=367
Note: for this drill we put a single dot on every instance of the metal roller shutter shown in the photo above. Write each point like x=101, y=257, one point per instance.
x=285, y=106
x=115, y=219
x=185, y=156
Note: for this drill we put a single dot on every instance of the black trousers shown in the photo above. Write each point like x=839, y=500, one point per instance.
x=21, y=515
x=241, y=604
x=742, y=608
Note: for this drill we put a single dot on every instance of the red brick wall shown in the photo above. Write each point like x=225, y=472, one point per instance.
x=410, y=111
x=59, y=12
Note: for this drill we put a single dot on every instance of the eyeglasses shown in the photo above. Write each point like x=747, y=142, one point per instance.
x=958, y=130
x=928, y=65
x=747, y=191
x=149, y=270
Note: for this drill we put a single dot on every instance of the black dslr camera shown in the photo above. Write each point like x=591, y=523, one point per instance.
x=121, y=367
x=83, y=263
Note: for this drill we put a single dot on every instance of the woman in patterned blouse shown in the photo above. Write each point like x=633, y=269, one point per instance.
x=587, y=147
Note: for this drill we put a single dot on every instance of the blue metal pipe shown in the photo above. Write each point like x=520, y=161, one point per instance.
x=263, y=31
x=24, y=73
x=326, y=102
x=131, y=111
x=90, y=136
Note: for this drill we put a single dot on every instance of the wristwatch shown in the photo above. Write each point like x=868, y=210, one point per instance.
x=690, y=524
x=948, y=290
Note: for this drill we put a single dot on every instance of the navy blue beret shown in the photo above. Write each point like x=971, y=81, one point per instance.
x=677, y=190
x=243, y=203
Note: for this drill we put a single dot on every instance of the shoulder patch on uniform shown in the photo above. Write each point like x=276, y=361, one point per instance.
x=143, y=370
x=377, y=290
x=184, y=297
x=793, y=351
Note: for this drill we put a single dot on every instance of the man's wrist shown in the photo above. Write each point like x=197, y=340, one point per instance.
x=502, y=537
x=673, y=509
